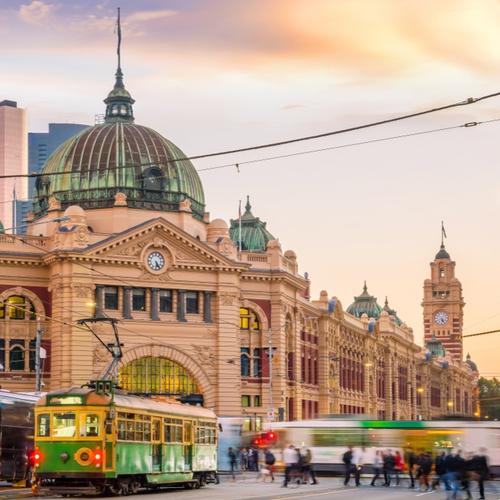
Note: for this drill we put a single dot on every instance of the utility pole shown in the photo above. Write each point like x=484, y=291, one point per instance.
x=38, y=365
x=271, y=403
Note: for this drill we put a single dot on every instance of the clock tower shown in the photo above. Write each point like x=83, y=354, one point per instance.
x=443, y=305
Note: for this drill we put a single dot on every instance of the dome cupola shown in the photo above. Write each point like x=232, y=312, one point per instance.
x=119, y=156
x=435, y=347
x=254, y=235
x=392, y=312
x=471, y=363
x=365, y=304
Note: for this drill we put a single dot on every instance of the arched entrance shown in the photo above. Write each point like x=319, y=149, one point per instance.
x=162, y=369
x=155, y=375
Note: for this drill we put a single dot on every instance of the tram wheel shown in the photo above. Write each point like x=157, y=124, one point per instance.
x=134, y=487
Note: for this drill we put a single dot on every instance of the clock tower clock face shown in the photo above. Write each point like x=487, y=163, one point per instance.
x=156, y=261
x=441, y=318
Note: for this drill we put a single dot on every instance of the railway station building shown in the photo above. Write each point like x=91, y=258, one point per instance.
x=120, y=230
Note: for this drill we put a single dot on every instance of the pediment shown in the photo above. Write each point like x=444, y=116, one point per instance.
x=178, y=247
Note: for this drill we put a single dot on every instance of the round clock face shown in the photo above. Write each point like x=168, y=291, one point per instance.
x=156, y=261
x=441, y=318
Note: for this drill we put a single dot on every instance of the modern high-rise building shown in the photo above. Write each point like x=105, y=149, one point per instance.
x=13, y=158
x=40, y=146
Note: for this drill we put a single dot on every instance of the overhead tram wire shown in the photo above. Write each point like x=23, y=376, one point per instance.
x=468, y=101
x=480, y=333
x=268, y=158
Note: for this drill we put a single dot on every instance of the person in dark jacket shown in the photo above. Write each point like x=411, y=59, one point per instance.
x=439, y=469
x=424, y=470
x=452, y=467
x=347, y=459
x=411, y=460
x=388, y=461
x=480, y=469
x=231, y=454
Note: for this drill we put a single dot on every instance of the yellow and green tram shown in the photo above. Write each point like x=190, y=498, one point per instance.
x=90, y=441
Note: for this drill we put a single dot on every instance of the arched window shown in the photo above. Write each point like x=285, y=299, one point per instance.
x=17, y=307
x=152, y=375
x=248, y=319
x=16, y=355
x=153, y=179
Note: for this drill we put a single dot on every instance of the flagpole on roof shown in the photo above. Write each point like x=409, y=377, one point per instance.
x=443, y=233
x=239, y=227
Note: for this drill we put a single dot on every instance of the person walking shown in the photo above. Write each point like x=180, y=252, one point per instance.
x=388, y=460
x=308, y=469
x=451, y=466
x=358, y=462
x=291, y=460
x=480, y=470
x=439, y=470
x=232, y=461
x=347, y=459
x=269, y=461
x=425, y=468
x=378, y=465
x=411, y=460
x=244, y=459
x=398, y=465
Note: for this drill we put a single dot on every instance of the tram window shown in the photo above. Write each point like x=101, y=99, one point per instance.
x=139, y=433
x=44, y=425
x=130, y=431
x=122, y=429
x=90, y=427
x=156, y=431
x=64, y=425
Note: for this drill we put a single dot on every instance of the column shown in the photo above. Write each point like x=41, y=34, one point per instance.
x=99, y=301
x=181, y=305
x=207, y=306
x=127, y=302
x=155, y=316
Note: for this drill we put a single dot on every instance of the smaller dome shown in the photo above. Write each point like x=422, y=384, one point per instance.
x=435, y=347
x=290, y=254
x=74, y=211
x=442, y=254
x=471, y=363
x=365, y=304
x=218, y=224
x=392, y=312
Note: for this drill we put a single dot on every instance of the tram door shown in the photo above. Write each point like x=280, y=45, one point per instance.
x=188, y=445
x=156, y=444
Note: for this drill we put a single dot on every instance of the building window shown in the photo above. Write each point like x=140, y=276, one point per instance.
x=245, y=362
x=441, y=272
x=257, y=363
x=166, y=301
x=248, y=319
x=17, y=307
x=16, y=355
x=138, y=299
x=245, y=401
x=111, y=297
x=192, y=302
x=257, y=401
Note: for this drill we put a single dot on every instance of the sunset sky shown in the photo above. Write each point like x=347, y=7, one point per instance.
x=220, y=74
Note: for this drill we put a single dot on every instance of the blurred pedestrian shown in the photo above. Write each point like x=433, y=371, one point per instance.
x=232, y=461
x=480, y=470
x=424, y=470
x=452, y=467
x=388, y=460
x=307, y=468
x=244, y=459
x=411, y=460
x=269, y=461
x=358, y=462
x=378, y=465
x=347, y=459
x=291, y=460
x=439, y=470
x=398, y=465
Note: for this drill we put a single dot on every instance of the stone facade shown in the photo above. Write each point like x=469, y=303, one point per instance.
x=213, y=311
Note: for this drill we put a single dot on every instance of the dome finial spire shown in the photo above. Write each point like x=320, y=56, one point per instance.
x=119, y=101
x=248, y=207
x=365, y=289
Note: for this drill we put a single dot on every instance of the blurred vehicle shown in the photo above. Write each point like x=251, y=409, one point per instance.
x=328, y=439
x=16, y=434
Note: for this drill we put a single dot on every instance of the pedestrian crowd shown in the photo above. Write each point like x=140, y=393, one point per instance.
x=298, y=464
x=450, y=471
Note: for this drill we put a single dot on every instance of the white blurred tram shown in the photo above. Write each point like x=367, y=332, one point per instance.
x=328, y=438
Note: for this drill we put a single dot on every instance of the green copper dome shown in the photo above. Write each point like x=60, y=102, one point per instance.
x=435, y=347
x=254, y=235
x=365, y=304
x=392, y=312
x=119, y=156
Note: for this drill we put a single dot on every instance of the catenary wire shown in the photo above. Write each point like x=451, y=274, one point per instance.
x=470, y=100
